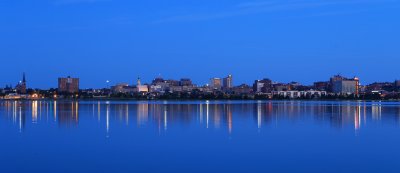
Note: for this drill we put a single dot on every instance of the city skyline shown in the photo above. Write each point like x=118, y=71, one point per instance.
x=232, y=83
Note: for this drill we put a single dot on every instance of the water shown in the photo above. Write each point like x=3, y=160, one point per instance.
x=199, y=136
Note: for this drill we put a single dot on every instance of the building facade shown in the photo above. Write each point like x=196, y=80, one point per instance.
x=397, y=83
x=321, y=86
x=228, y=82
x=263, y=86
x=68, y=85
x=343, y=85
x=298, y=94
x=185, y=82
x=215, y=83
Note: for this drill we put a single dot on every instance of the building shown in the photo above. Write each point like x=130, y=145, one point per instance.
x=321, y=86
x=282, y=87
x=215, y=83
x=262, y=86
x=397, y=83
x=342, y=85
x=299, y=94
x=158, y=81
x=377, y=86
x=228, y=82
x=242, y=89
x=122, y=88
x=21, y=86
x=141, y=88
x=68, y=85
x=185, y=82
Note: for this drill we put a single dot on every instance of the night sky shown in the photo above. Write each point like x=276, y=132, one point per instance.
x=120, y=40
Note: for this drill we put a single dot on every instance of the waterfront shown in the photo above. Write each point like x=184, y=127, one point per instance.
x=199, y=136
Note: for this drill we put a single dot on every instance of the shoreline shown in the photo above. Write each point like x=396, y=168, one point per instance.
x=130, y=99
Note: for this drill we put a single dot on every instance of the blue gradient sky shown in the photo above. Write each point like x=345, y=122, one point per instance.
x=118, y=40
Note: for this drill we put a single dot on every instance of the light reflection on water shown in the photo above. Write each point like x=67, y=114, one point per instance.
x=199, y=136
x=217, y=114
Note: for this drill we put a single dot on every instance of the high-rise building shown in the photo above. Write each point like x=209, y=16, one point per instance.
x=21, y=86
x=397, y=83
x=263, y=86
x=215, y=83
x=342, y=85
x=68, y=85
x=228, y=82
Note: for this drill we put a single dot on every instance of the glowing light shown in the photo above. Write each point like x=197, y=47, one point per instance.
x=207, y=112
x=108, y=120
x=34, y=96
x=165, y=119
x=34, y=111
x=259, y=112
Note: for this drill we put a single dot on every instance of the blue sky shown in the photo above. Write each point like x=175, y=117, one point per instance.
x=119, y=40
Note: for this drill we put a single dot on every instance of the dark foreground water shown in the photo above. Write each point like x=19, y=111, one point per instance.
x=199, y=136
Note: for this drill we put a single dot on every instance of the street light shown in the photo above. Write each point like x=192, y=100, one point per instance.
x=108, y=87
x=107, y=81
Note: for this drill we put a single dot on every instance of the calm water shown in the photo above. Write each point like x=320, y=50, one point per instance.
x=199, y=136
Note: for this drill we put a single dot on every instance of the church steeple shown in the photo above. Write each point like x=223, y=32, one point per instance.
x=23, y=78
x=21, y=86
x=138, y=82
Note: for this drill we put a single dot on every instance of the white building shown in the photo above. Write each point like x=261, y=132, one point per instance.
x=298, y=94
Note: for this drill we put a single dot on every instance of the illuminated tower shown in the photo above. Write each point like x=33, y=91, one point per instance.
x=228, y=82
x=138, y=82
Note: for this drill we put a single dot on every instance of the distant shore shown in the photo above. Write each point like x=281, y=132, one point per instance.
x=134, y=99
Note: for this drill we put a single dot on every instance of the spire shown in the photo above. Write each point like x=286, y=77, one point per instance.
x=138, y=81
x=23, y=78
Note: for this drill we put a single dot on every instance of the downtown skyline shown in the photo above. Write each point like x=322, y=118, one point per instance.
x=133, y=81
x=107, y=83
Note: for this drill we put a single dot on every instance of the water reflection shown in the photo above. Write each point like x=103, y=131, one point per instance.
x=208, y=114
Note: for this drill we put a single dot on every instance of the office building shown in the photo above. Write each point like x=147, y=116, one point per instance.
x=68, y=85
x=228, y=82
x=342, y=85
x=263, y=86
x=215, y=83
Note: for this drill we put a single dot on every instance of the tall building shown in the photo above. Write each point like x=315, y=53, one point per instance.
x=21, y=86
x=68, y=85
x=397, y=83
x=228, y=82
x=342, y=85
x=215, y=83
x=262, y=86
